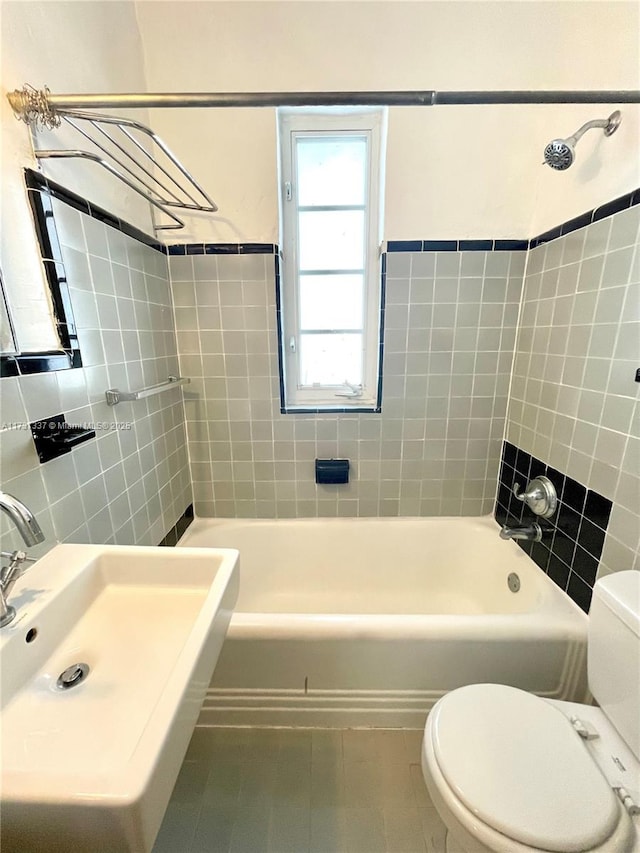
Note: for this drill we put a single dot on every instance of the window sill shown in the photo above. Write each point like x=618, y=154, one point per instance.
x=331, y=408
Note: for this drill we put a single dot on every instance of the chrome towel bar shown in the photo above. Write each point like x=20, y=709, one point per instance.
x=114, y=396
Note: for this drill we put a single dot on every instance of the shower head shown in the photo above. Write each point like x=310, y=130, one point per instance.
x=560, y=153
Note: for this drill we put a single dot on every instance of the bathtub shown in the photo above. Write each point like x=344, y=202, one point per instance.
x=369, y=621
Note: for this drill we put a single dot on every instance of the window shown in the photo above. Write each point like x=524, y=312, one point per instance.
x=330, y=172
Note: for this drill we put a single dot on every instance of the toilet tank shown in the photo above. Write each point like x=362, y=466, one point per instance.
x=614, y=653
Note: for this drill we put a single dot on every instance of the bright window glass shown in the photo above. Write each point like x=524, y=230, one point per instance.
x=330, y=359
x=331, y=240
x=330, y=170
x=331, y=302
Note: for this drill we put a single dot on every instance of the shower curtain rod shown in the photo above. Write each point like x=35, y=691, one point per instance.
x=39, y=108
x=22, y=100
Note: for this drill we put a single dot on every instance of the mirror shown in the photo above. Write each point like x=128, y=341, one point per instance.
x=47, y=340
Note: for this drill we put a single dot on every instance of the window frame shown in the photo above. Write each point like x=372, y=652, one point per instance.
x=295, y=123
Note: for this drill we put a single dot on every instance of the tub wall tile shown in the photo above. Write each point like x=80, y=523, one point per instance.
x=434, y=449
x=83, y=496
x=574, y=400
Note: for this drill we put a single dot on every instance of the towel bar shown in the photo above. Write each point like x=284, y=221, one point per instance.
x=114, y=396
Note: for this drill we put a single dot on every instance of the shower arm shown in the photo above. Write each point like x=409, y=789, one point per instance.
x=604, y=123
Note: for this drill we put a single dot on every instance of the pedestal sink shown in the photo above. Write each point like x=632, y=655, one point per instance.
x=103, y=674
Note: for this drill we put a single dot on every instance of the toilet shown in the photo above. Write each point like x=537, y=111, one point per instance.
x=510, y=772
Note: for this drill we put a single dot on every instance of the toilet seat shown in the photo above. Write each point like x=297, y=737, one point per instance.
x=516, y=764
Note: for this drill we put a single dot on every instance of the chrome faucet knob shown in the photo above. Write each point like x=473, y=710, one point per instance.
x=20, y=556
x=540, y=496
x=9, y=574
x=32, y=534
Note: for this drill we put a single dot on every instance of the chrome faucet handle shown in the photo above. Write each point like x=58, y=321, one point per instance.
x=540, y=496
x=20, y=556
x=10, y=574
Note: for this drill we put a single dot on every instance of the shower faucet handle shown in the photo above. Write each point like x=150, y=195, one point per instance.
x=540, y=496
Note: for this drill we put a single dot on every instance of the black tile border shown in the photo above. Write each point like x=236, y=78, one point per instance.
x=573, y=537
x=475, y=245
x=37, y=181
x=181, y=249
x=173, y=536
x=404, y=245
x=465, y=245
x=69, y=356
x=489, y=245
x=279, y=329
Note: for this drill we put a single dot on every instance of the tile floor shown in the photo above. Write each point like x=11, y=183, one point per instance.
x=301, y=791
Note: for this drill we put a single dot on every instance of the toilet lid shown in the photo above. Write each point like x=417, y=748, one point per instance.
x=516, y=762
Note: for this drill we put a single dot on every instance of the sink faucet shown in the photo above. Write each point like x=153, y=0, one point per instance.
x=23, y=519
x=530, y=532
x=32, y=534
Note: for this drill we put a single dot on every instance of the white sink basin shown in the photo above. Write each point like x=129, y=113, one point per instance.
x=92, y=766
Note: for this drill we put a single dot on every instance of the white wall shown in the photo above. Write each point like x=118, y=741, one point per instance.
x=452, y=171
x=68, y=46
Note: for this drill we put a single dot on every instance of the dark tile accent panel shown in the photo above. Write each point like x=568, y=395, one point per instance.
x=572, y=539
x=547, y=237
x=510, y=245
x=37, y=181
x=173, y=536
x=598, y=509
x=475, y=245
x=612, y=207
x=558, y=571
x=222, y=249
x=439, y=245
x=578, y=222
x=404, y=246
x=580, y=592
x=9, y=366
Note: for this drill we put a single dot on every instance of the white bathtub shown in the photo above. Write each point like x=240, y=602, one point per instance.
x=352, y=622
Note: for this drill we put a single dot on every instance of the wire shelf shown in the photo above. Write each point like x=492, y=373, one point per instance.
x=138, y=157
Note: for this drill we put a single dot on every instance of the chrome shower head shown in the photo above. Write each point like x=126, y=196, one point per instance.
x=560, y=153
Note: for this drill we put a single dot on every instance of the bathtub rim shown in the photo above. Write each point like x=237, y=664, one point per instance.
x=557, y=603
